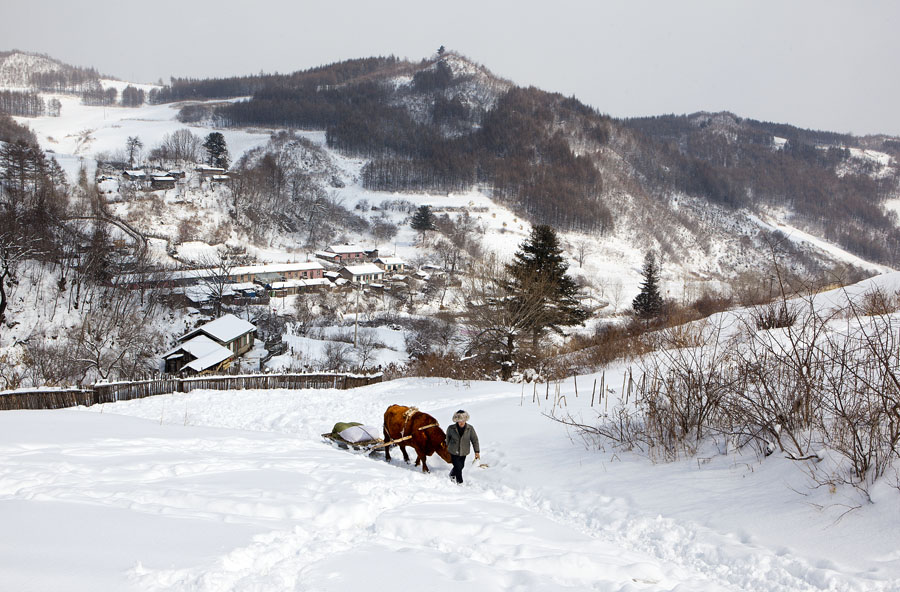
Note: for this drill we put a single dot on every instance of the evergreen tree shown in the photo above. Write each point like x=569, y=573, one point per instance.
x=648, y=303
x=216, y=150
x=539, y=272
x=423, y=219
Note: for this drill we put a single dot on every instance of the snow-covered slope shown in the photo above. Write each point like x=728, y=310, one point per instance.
x=705, y=243
x=17, y=67
x=219, y=491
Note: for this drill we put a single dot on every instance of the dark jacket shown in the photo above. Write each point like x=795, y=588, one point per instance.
x=459, y=444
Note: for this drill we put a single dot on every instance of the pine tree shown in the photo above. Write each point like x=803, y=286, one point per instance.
x=539, y=272
x=423, y=219
x=216, y=150
x=648, y=304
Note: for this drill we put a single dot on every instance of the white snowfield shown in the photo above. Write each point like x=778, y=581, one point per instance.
x=218, y=491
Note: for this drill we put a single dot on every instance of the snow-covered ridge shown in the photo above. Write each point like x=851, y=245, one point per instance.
x=16, y=68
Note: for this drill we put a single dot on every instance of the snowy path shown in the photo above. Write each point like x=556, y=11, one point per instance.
x=236, y=491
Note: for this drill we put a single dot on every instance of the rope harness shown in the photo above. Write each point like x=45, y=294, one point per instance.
x=407, y=416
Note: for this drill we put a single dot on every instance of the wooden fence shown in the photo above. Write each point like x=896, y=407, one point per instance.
x=123, y=391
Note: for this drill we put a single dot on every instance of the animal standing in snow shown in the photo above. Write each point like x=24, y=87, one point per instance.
x=427, y=436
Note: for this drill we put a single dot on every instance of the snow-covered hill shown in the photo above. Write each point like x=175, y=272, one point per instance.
x=704, y=242
x=16, y=68
x=215, y=491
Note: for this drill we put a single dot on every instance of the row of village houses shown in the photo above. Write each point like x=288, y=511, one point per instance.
x=215, y=345
x=347, y=263
x=168, y=179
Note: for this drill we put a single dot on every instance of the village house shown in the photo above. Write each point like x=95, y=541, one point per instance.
x=209, y=171
x=307, y=270
x=391, y=264
x=162, y=182
x=291, y=287
x=199, y=355
x=344, y=253
x=210, y=347
x=228, y=331
x=365, y=273
x=134, y=175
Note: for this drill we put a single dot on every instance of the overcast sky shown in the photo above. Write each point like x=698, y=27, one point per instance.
x=813, y=63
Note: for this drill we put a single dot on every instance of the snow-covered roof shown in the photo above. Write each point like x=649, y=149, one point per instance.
x=241, y=286
x=287, y=284
x=201, y=294
x=163, y=178
x=206, y=362
x=208, y=353
x=363, y=269
x=276, y=268
x=224, y=329
x=343, y=249
x=135, y=173
x=300, y=283
x=279, y=268
x=391, y=261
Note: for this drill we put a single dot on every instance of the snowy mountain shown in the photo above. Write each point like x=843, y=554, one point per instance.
x=19, y=69
x=752, y=448
x=614, y=189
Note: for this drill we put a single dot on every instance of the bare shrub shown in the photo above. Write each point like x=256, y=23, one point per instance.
x=13, y=372
x=879, y=302
x=48, y=363
x=709, y=303
x=430, y=336
x=774, y=315
x=367, y=345
x=450, y=366
x=336, y=357
x=811, y=390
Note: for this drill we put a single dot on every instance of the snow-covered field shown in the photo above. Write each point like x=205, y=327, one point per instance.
x=215, y=491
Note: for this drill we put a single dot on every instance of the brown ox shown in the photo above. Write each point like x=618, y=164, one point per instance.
x=400, y=421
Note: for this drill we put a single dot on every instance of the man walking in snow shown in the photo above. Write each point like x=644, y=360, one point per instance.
x=460, y=437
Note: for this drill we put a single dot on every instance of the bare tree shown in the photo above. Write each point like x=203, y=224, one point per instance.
x=13, y=251
x=336, y=356
x=215, y=276
x=180, y=146
x=583, y=248
x=367, y=346
x=133, y=147
x=616, y=293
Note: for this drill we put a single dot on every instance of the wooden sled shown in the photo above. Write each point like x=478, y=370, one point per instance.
x=367, y=446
